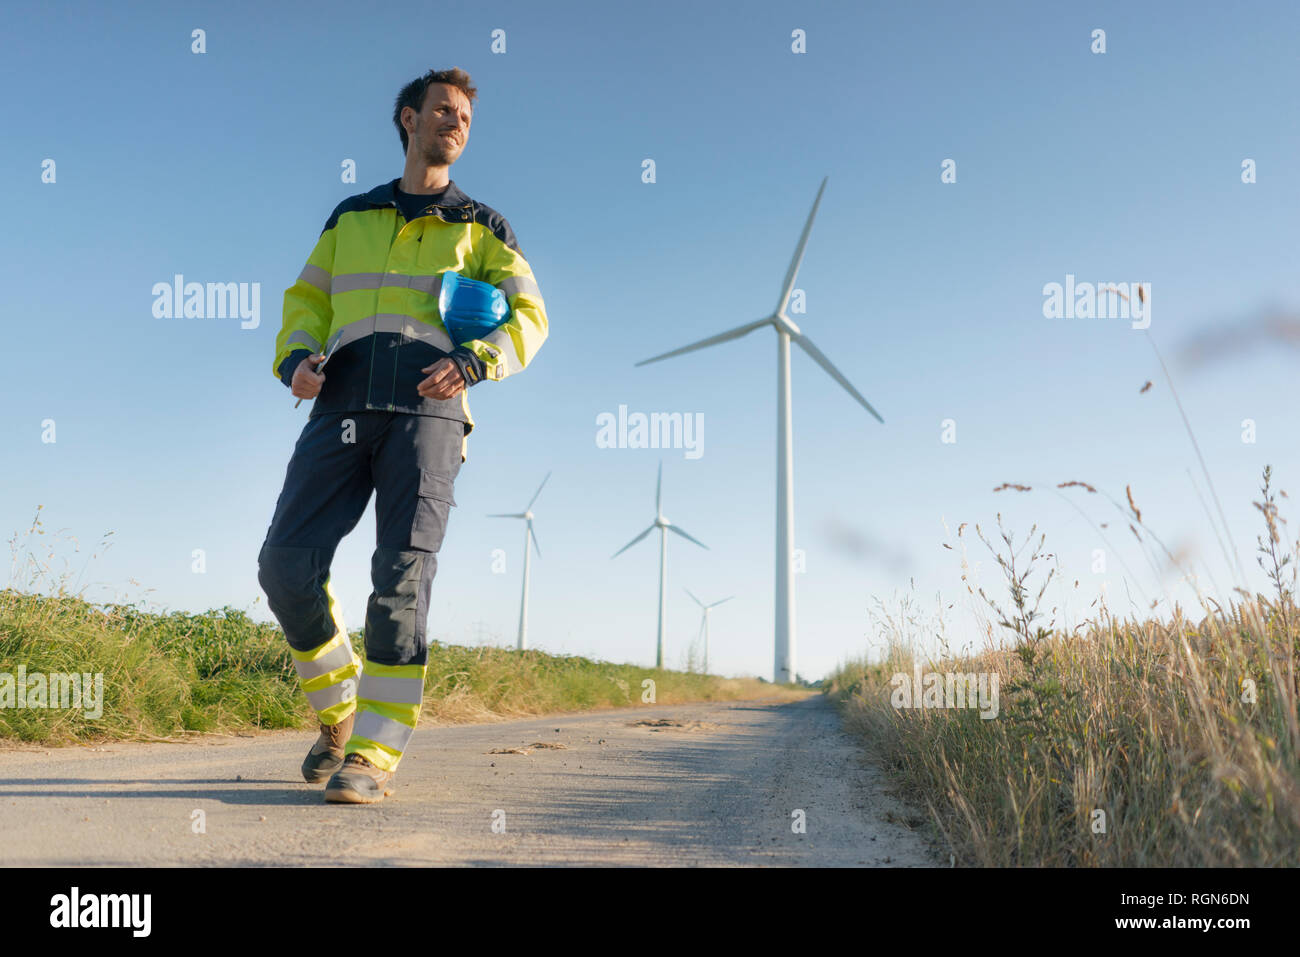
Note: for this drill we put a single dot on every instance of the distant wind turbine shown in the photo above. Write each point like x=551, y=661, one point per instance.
x=664, y=527
x=704, y=622
x=784, y=665
x=530, y=537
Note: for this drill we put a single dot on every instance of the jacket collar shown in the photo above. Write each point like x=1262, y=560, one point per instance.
x=386, y=195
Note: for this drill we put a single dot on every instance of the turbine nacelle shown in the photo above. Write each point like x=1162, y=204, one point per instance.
x=712, y=604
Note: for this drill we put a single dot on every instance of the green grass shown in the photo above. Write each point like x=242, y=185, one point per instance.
x=171, y=674
x=162, y=674
x=223, y=672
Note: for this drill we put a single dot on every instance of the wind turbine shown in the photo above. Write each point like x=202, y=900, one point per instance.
x=664, y=527
x=784, y=666
x=704, y=622
x=530, y=537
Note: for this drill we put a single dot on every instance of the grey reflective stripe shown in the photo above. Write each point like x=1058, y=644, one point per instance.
x=352, y=332
x=428, y=284
x=345, y=690
x=354, y=281
x=392, y=322
x=382, y=730
x=337, y=658
x=414, y=329
x=299, y=336
x=315, y=276
x=391, y=690
x=516, y=284
x=507, y=357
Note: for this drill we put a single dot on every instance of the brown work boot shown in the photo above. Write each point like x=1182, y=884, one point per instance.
x=326, y=755
x=359, y=782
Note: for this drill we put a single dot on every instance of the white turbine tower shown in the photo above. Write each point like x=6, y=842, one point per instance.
x=704, y=622
x=530, y=538
x=664, y=527
x=784, y=666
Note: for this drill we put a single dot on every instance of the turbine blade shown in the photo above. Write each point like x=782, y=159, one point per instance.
x=507, y=515
x=533, y=535
x=538, y=492
x=712, y=340
x=820, y=358
x=633, y=542
x=722, y=601
x=659, y=488
x=798, y=253
x=674, y=528
x=693, y=598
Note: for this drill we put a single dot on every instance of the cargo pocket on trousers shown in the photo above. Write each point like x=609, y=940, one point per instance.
x=432, y=511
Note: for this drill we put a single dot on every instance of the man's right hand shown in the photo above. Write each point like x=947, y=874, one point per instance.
x=306, y=380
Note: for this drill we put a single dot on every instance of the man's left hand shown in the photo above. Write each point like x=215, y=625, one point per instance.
x=445, y=383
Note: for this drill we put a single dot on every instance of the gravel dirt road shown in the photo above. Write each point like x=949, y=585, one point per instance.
x=696, y=784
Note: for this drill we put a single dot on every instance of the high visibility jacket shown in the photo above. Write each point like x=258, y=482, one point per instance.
x=368, y=298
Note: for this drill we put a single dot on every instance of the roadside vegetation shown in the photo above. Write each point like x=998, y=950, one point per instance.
x=1118, y=742
x=167, y=675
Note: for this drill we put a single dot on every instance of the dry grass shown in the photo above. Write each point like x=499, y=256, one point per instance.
x=1183, y=733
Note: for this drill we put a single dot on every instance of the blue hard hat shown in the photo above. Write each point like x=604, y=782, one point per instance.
x=470, y=308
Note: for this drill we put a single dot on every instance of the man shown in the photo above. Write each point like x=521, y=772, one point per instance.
x=391, y=415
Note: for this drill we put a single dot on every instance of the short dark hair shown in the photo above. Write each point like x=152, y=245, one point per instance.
x=412, y=94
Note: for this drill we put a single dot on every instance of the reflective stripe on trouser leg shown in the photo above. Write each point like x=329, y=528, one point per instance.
x=388, y=706
x=328, y=674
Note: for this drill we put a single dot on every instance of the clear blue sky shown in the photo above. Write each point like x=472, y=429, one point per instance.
x=223, y=166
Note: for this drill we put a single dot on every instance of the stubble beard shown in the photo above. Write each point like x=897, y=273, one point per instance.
x=438, y=153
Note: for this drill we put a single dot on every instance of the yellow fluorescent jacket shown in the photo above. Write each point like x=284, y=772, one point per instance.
x=368, y=298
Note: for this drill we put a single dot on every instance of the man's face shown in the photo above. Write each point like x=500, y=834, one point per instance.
x=439, y=132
